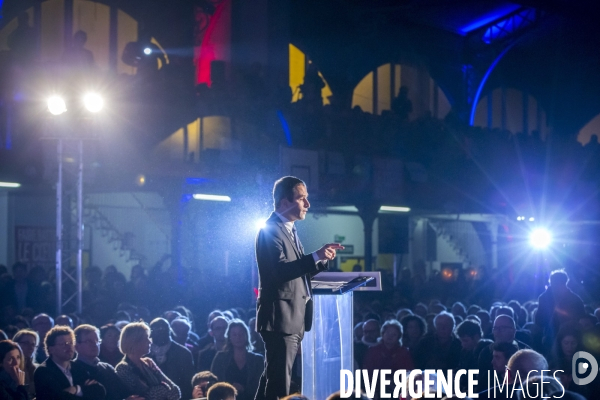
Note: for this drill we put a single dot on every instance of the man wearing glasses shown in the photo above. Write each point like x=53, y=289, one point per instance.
x=87, y=344
x=504, y=331
x=60, y=378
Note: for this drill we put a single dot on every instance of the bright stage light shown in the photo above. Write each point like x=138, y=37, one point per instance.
x=211, y=197
x=261, y=223
x=147, y=51
x=56, y=105
x=10, y=184
x=93, y=102
x=540, y=238
x=394, y=209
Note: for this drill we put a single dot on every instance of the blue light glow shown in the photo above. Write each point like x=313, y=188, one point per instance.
x=286, y=128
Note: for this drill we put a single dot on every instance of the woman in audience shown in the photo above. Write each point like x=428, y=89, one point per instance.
x=566, y=344
x=12, y=376
x=109, y=348
x=140, y=374
x=236, y=364
x=29, y=341
x=414, y=328
x=389, y=352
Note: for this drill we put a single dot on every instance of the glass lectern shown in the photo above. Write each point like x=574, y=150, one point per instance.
x=328, y=347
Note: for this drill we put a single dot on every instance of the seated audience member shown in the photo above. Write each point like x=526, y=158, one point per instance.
x=389, y=352
x=29, y=341
x=458, y=310
x=207, y=339
x=567, y=342
x=181, y=328
x=370, y=334
x=414, y=328
x=174, y=360
x=470, y=335
x=64, y=320
x=87, y=345
x=237, y=364
x=109, y=345
x=60, y=378
x=501, y=353
x=504, y=332
x=486, y=323
x=201, y=382
x=41, y=323
x=12, y=376
x=519, y=364
x=255, y=338
x=442, y=349
x=218, y=327
x=140, y=375
x=221, y=391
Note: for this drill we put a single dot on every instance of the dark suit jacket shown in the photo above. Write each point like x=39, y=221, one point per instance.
x=50, y=383
x=224, y=362
x=106, y=375
x=283, y=273
x=179, y=367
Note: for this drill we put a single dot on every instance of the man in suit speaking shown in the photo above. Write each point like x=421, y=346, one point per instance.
x=284, y=305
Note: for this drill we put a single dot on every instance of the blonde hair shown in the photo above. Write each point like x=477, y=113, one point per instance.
x=131, y=335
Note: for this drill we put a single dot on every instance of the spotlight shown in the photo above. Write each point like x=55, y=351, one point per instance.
x=531, y=219
x=93, y=102
x=540, y=238
x=261, y=223
x=211, y=197
x=147, y=51
x=56, y=105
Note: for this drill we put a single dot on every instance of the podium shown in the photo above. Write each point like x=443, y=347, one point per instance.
x=328, y=347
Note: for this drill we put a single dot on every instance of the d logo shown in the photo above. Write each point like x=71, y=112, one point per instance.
x=591, y=365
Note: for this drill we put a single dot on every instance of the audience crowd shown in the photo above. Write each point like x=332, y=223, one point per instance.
x=175, y=355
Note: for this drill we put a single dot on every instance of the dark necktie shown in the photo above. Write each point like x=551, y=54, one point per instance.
x=299, y=247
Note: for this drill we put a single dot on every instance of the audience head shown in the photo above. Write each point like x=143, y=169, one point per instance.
x=524, y=361
x=201, y=382
x=504, y=329
x=60, y=344
x=135, y=340
x=391, y=333
x=567, y=342
x=181, y=330
x=371, y=331
x=109, y=335
x=444, y=326
x=64, y=320
x=160, y=331
x=403, y=312
x=29, y=341
x=559, y=279
x=358, y=331
x=218, y=327
x=171, y=315
x=469, y=332
x=87, y=341
x=504, y=310
x=587, y=322
x=238, y=335
x=42, y=323
x=458, y=309
x=11, y=355
x=414, y=327
x=501, y=353
x=421, y=310
x=221, y=391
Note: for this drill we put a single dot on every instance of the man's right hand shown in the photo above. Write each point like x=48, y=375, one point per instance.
x=327, y=252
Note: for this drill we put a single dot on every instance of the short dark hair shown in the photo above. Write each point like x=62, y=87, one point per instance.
x=284, y=188
x=559, y=277
x=469, y=328
x=54, y=333
x=416, y=318
x=221, y=391
x=204, y=376
x=508, y=349
x=84, y=329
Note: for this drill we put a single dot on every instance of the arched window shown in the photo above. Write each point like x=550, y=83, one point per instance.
x=590, y=129
x=94, y=19
x=376, y=91
x=511, y=110
x=298, y=65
